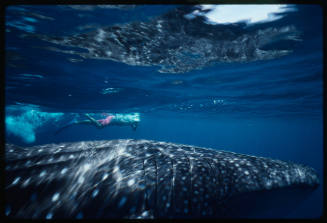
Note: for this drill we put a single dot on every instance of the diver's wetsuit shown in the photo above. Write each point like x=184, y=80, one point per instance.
x=101, y=122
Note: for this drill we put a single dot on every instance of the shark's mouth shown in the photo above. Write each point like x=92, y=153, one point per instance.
x=287, y=38
x=281, y=44
x=267, y=203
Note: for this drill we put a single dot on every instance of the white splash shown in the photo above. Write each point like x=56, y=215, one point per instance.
x=226, y=14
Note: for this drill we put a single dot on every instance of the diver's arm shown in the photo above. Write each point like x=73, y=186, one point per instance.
x=93, y=120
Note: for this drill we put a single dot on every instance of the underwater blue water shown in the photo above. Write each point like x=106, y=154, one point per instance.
x=271, y=108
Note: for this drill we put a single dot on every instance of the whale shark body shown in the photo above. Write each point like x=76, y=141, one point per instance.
x=141, y=179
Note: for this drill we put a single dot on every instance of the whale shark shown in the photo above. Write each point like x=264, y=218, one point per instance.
x=128, y=178
x=177, y=44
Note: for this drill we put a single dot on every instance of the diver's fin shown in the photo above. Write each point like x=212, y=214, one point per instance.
x=63, y=127
x=73, y=122
x=134, y=125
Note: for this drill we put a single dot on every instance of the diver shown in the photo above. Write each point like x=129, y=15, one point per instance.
x=117, y=119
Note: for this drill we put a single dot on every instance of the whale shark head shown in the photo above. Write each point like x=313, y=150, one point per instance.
x=274, y=42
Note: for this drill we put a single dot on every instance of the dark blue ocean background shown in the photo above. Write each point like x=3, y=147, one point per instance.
x=270, y=108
